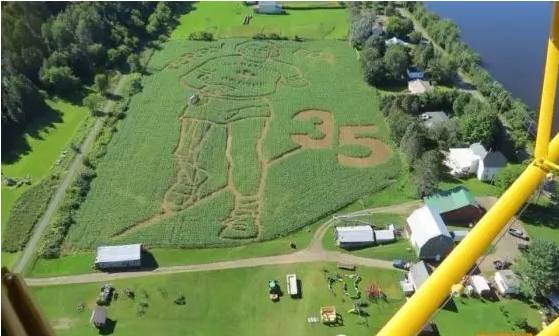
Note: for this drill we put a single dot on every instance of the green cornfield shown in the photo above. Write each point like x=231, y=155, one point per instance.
x=236, y=140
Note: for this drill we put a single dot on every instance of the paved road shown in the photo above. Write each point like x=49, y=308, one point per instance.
x=56, y=199
x=314, y=252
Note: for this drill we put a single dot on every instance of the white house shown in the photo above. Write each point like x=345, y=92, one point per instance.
x=507, y=282
x=119, y=256
x=354, y=236
x=428, y=234
x=418, y=86
x=480, y=285
x=475, y=160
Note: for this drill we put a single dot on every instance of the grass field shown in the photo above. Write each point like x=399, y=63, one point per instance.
x=542, y=221
x=476, y=317
x=400, y=249
x=224, y=298
x=225, y=19
x=477, y=187
x=45, y=147
x=81, y=262
x=259, y=155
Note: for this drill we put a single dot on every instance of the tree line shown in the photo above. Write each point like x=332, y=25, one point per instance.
x=444, y=32
x=53, y=48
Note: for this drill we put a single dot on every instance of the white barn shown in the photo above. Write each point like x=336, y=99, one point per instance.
x=354, y=236
x=119, y=256
x=428, y=234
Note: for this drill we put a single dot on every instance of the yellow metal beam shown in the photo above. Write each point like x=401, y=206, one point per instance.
x=419, y=309
x=549, y=88
x=551, y=330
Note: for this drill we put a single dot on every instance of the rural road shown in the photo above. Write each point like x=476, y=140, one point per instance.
x=58, y=196
x=314, y=252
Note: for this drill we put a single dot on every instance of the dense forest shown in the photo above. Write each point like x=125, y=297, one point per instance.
x=54, y=48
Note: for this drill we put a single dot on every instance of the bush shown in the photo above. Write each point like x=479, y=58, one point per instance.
x=201, y=36
x=271, y=36
x=25, y=213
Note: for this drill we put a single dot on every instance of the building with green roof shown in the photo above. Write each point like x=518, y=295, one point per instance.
x=456, y=206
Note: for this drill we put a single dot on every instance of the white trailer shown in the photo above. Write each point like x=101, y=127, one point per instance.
x=292, y=288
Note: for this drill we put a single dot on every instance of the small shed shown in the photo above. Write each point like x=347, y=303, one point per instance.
x=384, y=236
x=507, y=282
x=292, y=288
x=119, y=256
x=415, y=73
x=480, y=285
x=432, y=119
x=456, y=205
x=354, y=236
x=418, y=86
x=99, y=316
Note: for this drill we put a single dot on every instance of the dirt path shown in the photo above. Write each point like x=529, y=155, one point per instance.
x=56, y=199
x=314, y=252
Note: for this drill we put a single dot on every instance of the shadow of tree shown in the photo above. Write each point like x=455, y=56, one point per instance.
x=14, y=141
x=539, y=215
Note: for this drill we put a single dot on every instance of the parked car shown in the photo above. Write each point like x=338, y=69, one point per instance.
x=400, y=264
x=519, y=234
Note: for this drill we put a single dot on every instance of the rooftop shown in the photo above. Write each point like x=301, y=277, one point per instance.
x=355, y=234
x=419, y=273
x=449, y=200
x=426, y=223
x=433, y=118
x=119, y=253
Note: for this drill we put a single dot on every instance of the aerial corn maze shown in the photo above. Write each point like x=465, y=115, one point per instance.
x=235, y=141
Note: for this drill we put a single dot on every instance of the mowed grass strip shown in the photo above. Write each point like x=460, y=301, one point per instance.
x=225, y=20
x=44, y=148
x=228, y=302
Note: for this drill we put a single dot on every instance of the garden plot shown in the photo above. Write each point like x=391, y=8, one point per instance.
x=238, y=140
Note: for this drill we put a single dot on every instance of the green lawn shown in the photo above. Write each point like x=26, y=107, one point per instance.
x=542, y=221
x=81, y=262
x=400, y=249
x=45, y=148
x=225, y=19
x=228, y=302
x=9, y=259
x=476, y=316
x=477, y=187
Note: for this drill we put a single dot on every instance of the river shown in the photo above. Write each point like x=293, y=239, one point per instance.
x=511, y=38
